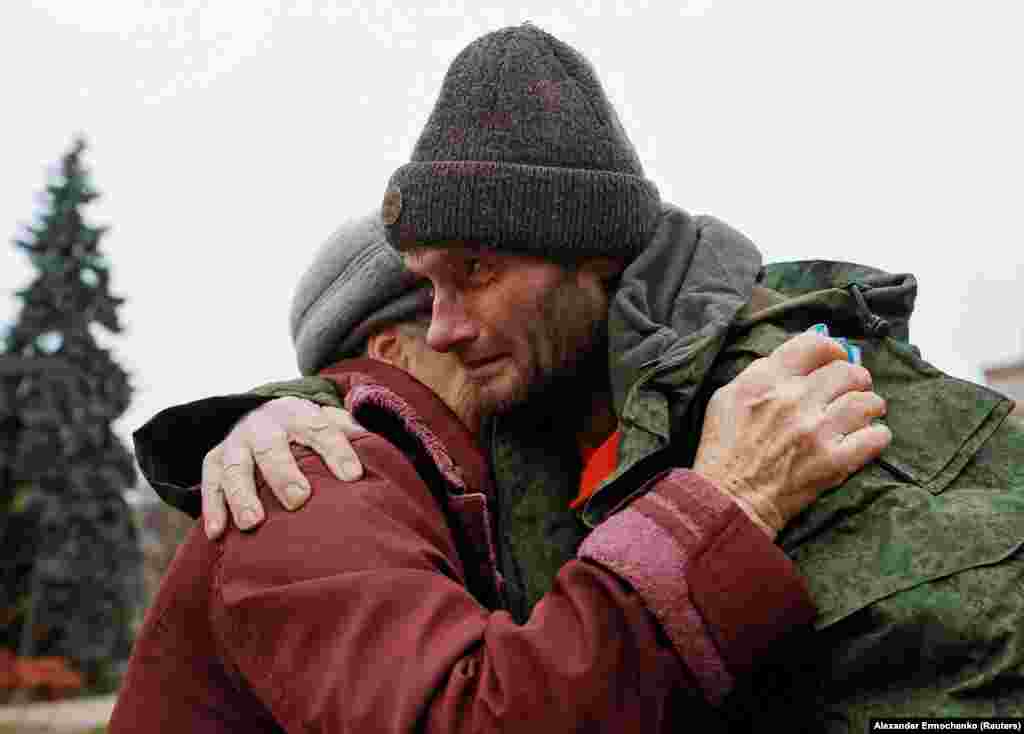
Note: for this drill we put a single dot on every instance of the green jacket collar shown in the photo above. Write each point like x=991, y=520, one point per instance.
x=698, y=285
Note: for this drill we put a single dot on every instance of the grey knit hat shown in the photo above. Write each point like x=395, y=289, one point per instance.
x=355, y=285
x=523, y=151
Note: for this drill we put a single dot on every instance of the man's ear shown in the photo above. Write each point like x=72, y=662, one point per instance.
x=386, y=346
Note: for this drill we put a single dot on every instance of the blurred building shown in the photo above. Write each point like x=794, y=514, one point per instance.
x=1008, y=379
x=161, y=530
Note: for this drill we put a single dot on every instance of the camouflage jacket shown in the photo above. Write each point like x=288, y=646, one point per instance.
x=915, y=562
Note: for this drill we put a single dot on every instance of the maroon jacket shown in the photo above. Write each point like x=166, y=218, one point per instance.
x=378, y=607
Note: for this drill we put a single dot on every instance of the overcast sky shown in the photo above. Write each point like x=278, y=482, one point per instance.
x=230, y=138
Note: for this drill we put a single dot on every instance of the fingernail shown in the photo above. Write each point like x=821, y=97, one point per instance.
x=350, y=470
x=296, y=495
x=212, y=527
x=820, y=329
x=249, y=518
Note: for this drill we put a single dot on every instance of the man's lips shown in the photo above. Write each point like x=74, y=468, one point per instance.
x=473, y=363
x=481, y=365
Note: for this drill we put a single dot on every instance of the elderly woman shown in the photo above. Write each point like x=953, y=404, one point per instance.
x=381, y=607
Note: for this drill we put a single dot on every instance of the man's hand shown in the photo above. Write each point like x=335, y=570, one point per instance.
x=789, y=427
x=262, y=439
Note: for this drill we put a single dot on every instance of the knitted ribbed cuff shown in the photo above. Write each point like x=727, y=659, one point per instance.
x=722, y=591
x=539, y=210
x=651, y=543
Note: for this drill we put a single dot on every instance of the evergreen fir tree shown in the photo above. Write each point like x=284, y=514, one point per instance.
x=86, y=572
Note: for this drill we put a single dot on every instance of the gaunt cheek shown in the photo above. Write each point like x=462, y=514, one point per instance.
x=511, y=304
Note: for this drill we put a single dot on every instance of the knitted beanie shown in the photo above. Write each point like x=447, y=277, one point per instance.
x=355, y=285
x=523, y=151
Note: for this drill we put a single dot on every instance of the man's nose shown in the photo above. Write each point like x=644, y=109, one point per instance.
x=450, y=324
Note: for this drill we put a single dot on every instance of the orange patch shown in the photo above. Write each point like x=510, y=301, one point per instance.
x=598, y=464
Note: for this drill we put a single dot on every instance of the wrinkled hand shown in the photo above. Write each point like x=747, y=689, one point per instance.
x=262, y=439
x=789, y=427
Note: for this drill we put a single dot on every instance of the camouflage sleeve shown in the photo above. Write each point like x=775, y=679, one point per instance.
x=170, y=447
x=316, y=389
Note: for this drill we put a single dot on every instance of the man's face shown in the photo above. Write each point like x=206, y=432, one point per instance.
x=513, y=321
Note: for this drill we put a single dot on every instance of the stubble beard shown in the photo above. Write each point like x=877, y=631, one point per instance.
x=571, y=324
x=467, y=402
